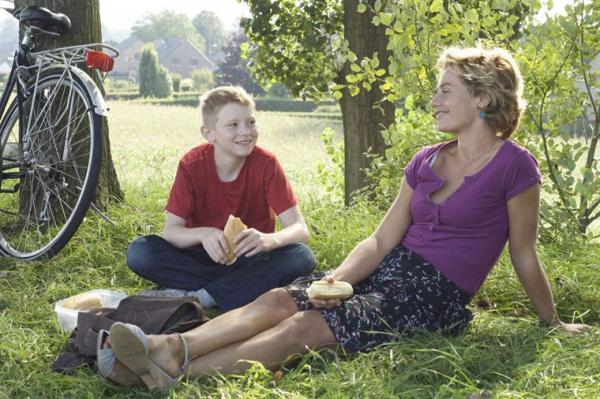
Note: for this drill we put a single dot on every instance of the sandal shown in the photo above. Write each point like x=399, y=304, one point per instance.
x=106, y=359
x=130, y=346
x=107, y=364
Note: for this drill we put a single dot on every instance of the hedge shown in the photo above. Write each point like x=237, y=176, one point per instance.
x=262, y=103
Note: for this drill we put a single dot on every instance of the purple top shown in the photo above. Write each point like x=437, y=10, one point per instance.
x=463, y=236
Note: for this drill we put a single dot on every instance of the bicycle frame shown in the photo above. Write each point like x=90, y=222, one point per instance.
x=51, y=118
x=27, y=65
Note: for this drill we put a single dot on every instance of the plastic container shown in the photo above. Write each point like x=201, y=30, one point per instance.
x=67, y=318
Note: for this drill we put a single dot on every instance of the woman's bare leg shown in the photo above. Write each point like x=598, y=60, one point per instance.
x=266, y=311
x=295, y=335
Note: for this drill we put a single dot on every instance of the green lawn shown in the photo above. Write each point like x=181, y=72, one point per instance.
x=505, y=354
x=160, y=135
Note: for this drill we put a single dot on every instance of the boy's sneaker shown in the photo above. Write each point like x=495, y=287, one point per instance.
x=203, y=297
x=167, y=293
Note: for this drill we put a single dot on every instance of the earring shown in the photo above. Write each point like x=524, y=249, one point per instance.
x=482, y=114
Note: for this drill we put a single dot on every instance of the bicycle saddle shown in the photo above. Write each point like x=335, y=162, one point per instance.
x=45, y=19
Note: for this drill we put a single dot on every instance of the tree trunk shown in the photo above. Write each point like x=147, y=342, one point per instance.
x=85, y=28
x=362, y=122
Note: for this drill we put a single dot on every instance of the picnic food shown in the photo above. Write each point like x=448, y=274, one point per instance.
x=232, y=228
x=324, y=290
x=85, y=301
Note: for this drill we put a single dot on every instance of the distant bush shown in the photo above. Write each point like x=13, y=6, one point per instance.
x=262, y=104
x=164, y=84
x=186, y=85
x=203, y=80
x=120, y=85
x=278, y=90
x=287, y=105
x=176, y=78
x=126, y=95
x=327, y=108
x=148, y=71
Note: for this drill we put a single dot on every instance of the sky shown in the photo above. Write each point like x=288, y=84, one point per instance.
x=118, y=16
x=122, y=14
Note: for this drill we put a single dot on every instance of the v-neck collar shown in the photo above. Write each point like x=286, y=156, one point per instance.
x=440, y=181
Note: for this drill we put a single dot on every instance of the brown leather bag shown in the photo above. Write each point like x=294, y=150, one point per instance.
x=153, y=315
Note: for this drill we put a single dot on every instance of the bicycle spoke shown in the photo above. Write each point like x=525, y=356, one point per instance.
x=52, y=167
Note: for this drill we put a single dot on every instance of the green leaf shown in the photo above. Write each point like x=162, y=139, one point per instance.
x=355, y=67
x=377, y=6
x=351, y=78
x=436, y=6
x=354, y=90
x=337, y=95
x=386, y=18
x=380, y=72
x=244, y=47
x=472, y=16
x=362, y=7
x=366, y=85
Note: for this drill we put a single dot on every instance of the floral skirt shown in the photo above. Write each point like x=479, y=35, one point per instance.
x=404, y=295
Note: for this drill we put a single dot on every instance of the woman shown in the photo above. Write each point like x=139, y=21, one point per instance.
x=457, y=206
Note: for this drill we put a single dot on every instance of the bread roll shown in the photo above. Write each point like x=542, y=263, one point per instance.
x=232, y=228
x=324, y=290
x=85, y=301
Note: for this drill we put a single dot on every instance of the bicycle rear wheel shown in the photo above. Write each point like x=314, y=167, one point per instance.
x=49, y=175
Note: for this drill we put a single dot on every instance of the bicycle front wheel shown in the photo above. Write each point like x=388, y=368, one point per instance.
x=50, y=168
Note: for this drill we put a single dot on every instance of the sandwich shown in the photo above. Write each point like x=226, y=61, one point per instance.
x=232, y=228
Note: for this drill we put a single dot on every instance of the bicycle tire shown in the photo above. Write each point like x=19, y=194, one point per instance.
x=58, y=161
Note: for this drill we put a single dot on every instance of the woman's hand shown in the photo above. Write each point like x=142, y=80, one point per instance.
x=251, y=242
x=214, y=243
x=325, y=303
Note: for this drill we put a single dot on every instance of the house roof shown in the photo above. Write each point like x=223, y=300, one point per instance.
x=165, y=47
x=125, y=44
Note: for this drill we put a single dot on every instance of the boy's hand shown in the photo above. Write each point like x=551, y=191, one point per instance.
x=215, y=245
x=251, y=242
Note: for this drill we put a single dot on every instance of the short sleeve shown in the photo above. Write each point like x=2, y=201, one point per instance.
x=411, y=171
x=278, y=190
x=523, y=174
x=181, y=197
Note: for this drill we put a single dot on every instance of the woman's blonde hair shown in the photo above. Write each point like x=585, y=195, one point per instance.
x=494, y=73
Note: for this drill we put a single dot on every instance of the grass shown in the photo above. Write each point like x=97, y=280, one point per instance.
x=505, y=354
x=294, y=139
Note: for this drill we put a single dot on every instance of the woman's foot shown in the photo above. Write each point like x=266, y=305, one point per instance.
x=119, y=374
x=167, y=352
x=156, y=360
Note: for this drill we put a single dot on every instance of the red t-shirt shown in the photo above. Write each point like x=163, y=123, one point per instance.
x=260, y=192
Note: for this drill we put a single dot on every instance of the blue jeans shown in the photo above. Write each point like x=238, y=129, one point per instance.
x=155, y=259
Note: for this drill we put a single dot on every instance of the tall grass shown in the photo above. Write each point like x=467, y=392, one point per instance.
x=505, y=353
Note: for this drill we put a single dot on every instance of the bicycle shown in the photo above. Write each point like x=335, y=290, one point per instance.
x=50, y=138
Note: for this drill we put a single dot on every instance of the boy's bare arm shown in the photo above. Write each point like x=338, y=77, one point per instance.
x=180, y=236
x=251, y=241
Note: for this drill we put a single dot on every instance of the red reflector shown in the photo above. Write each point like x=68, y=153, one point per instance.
x=99, y=60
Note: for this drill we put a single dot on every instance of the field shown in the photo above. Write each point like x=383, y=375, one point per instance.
x=505, y=354
x=295, y=140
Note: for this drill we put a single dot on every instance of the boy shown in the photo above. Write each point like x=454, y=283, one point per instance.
x=229, y=175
